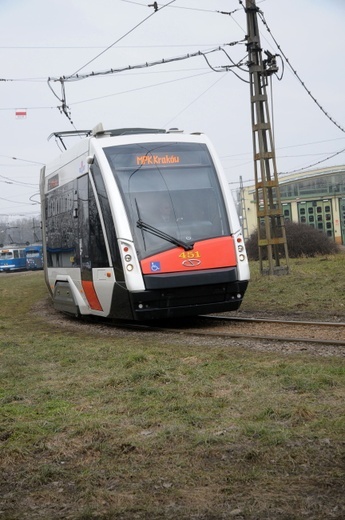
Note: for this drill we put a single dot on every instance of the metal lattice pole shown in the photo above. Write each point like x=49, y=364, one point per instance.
x=270, y=222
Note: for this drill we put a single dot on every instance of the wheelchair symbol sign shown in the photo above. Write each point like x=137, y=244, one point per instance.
x=155, y=267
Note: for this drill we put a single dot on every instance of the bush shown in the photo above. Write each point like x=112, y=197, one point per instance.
x=302, y=240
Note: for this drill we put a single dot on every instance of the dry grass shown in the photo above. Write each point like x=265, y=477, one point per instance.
x=137, y=428
x=315, y=288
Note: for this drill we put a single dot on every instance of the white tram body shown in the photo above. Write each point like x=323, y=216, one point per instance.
x=140, y=224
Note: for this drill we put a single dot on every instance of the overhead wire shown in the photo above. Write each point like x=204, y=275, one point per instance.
x=314, y=164
x=63, y=97
x=261, y=15
x=128, y=91
x=75, y=76
x=122, y=37
x=194, y=100
x=20, y=159
x=64, y=108
x=181, y=7
x=163, y=61
x=18, y=202
x=200, y=72
x=8, y=180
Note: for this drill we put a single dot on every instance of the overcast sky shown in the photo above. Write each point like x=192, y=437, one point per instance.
x=42, y=39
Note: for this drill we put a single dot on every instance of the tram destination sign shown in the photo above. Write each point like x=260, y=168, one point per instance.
x=151, y=155
x=143, y=160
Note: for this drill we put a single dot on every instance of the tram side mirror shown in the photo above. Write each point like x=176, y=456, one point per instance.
x=90, y=159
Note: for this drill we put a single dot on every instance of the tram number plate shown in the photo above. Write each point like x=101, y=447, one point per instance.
x=190, y=254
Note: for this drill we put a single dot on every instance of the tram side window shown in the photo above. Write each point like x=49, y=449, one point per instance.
x=93, y=251
x=62, y=230
x=74, y=232
x=107, y=216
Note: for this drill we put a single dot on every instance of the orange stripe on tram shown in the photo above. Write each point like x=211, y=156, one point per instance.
x=91, y=295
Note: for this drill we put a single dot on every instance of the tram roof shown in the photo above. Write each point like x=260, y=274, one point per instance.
x=98, y=131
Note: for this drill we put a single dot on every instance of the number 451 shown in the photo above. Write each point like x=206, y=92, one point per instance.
x=190, y=254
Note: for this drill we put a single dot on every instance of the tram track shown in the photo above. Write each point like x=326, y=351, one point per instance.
x=263, y=334
x=261, y=329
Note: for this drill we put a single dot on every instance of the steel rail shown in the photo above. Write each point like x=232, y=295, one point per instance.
x=269, y=320
x=261, y=337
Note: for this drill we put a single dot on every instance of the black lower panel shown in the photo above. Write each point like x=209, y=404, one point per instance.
x=187, y=301
x=191, y=279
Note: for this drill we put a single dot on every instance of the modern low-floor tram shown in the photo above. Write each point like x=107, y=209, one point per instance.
x=140, y=224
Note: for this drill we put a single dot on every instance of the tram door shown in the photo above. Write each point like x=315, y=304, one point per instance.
x=342, y=219
x=318, y=214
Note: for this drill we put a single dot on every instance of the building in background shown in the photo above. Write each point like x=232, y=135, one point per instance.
x=315, y=198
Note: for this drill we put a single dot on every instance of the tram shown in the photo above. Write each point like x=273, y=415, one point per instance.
x=12, y=258
x=140, y=224
x=34, y=257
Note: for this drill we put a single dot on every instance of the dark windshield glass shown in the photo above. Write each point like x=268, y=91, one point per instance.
x=32, y=253
x=172, y=187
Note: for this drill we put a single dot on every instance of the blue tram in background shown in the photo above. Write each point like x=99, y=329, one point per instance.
x=34, y=257
x=12, y=258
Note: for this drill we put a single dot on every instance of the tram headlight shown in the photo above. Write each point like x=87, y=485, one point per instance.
x=129, y=267
x=240, y=248
x=242, y=257
x=128, y=258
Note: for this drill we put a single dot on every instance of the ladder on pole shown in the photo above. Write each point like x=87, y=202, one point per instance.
x=273, y=252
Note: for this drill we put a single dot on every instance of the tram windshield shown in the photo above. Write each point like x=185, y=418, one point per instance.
x=171, y=192
x=32, y=253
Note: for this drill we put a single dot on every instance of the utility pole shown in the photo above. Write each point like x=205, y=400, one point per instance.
x=243, y=211
x=273, y=252
x=36, y=238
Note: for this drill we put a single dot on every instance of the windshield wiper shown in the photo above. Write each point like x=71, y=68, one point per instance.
x=164, y=236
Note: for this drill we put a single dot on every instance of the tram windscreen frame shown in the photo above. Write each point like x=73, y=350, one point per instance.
x=172, y=187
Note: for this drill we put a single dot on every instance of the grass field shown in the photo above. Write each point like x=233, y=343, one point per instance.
x=134, y=427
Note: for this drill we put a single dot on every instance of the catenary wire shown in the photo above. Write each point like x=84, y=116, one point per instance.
x=298, y=76
x=121, y=38
x=194, y=100
x=261, y=15
x=163, y=61
x=181, y=7
x=138, y=89
x=64, y=108
x=8, y=180
x=315, y=163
